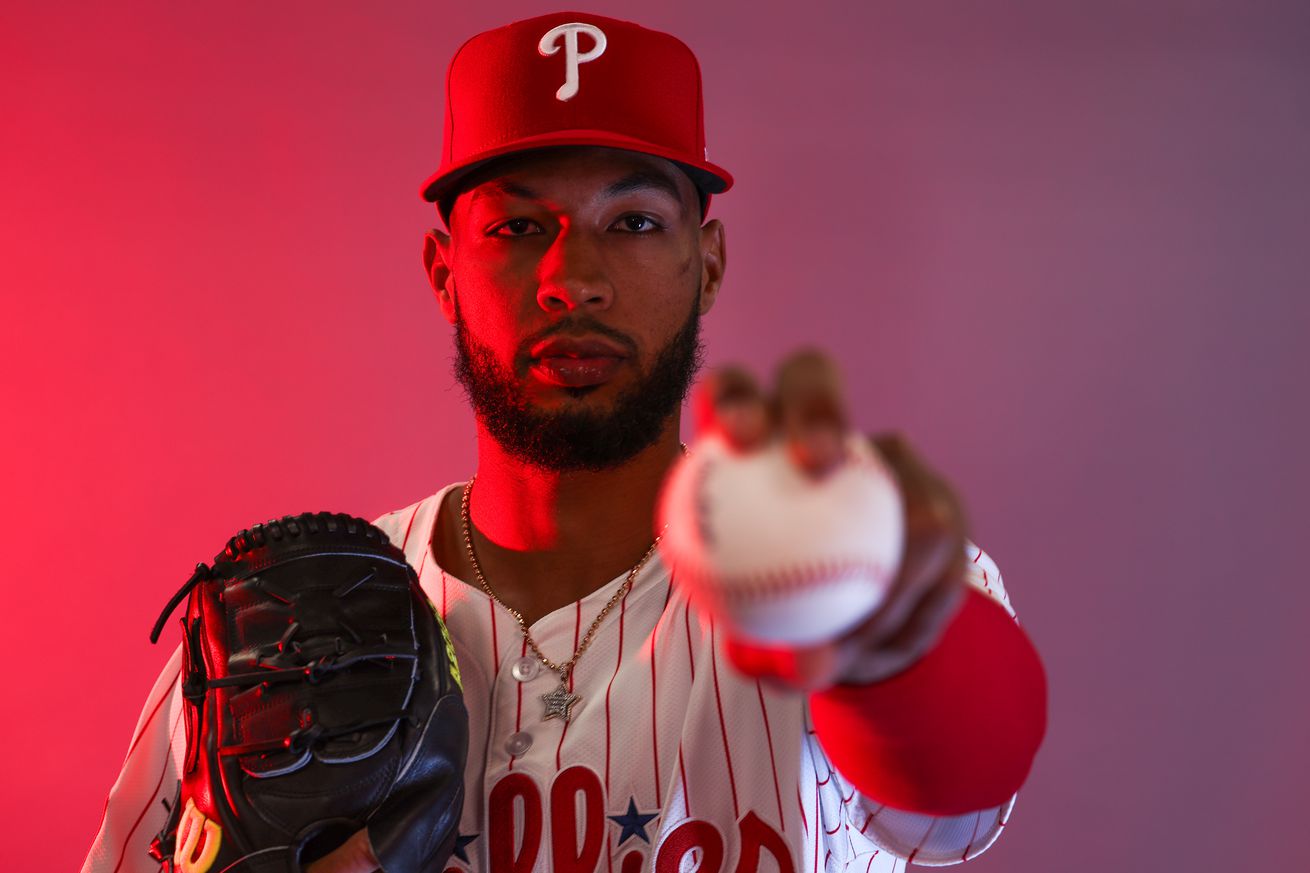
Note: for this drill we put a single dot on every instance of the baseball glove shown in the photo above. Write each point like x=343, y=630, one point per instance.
x=321, y=696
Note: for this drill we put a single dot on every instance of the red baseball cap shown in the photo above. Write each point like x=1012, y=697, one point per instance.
x=572, y=78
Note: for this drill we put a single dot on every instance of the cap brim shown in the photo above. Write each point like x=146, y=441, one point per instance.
x=710, y=178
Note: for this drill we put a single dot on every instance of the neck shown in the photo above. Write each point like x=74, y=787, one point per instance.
x=544, y=538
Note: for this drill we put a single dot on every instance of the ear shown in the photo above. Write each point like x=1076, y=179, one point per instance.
x=436, y=263
x=714, y=258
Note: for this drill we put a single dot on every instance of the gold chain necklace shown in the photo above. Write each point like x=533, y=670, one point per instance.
x=560, y=702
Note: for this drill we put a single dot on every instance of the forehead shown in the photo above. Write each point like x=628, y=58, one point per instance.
x=576, y=172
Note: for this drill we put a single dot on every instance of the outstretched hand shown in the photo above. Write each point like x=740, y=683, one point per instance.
x=355, y=855
x=807, y=409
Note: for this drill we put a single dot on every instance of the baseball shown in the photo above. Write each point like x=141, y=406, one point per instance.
x=778, y=555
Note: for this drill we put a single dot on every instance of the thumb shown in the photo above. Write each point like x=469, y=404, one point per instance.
x=810, y=668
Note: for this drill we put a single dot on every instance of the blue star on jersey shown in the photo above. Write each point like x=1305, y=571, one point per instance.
x=633, y=822
x=461, y=842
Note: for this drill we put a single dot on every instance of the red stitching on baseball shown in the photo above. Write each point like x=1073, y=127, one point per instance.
x=781, y=581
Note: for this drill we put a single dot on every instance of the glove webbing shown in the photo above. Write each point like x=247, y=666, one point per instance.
x=300, y=738
x=314, y=671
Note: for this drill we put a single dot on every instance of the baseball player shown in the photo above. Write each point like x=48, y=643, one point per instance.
x=614, y=725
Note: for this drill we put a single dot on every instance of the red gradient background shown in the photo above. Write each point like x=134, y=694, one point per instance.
x=1064, y=247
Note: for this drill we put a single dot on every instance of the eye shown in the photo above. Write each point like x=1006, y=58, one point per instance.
x=515, y=227
x=637, y=223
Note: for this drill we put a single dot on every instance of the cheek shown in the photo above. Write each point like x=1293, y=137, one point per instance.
x=655, y=274
x=497, y=334
x=488, y=321
x=495, y=300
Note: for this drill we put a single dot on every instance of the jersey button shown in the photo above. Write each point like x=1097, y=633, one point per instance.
x=525, y=669
x=518, y=743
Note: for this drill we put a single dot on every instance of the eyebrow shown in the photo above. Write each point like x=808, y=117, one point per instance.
x=506, y=187
x=644, y=180
x=639, y=180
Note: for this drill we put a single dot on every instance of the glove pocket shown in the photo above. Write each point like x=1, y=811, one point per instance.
x=319, y=791
x=349, y=716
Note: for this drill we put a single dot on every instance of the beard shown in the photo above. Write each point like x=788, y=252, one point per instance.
x=569, y=440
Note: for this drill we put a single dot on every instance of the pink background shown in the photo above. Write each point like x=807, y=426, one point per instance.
x=1063, y=246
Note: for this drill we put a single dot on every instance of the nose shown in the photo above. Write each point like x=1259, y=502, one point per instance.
x=572, y=275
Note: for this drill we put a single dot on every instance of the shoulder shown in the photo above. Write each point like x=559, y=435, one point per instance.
x=400, y=524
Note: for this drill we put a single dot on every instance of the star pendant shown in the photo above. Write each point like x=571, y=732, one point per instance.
x=560, y=703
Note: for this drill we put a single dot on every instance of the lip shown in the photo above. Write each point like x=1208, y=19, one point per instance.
x=571, y=372
x=576, y=347
x=576, y=362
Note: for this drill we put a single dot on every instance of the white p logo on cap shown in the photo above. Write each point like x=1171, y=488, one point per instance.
x=549, y=45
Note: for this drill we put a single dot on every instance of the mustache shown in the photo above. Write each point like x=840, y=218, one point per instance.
x=576, y=327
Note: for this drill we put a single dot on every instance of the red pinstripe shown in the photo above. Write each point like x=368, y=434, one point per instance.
x=654, y=710
x=623, y=608
x=816, y=829
x=686, y=792
x=413, y=515
x=773, y=762
x=691, y=668
x=150, y=718
x=869, y=866
x=444, y=611
x=977, y=820
x=800, y=804
x=826, y=764
x=577, y=629
x=691, y=655
x=154, y=795
x=423, y=563
x=495, y=645
x=723, y=725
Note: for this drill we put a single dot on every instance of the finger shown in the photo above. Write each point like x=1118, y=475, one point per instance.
x=929, y=556
x=811, y=410
x=929, y=619
x=189, y=832
x=355, y=855
x=934, y=535
x=209, y=851
x=866, y=662
x=184, y=841
x=729, y=402
x=796, y=668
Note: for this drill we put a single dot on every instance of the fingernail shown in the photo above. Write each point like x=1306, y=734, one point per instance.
x=744, y=423
x=819, y=450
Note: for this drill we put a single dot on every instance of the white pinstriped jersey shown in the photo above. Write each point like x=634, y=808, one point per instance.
x=672, y=761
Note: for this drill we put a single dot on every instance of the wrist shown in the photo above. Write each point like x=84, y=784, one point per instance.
x=954, y=732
